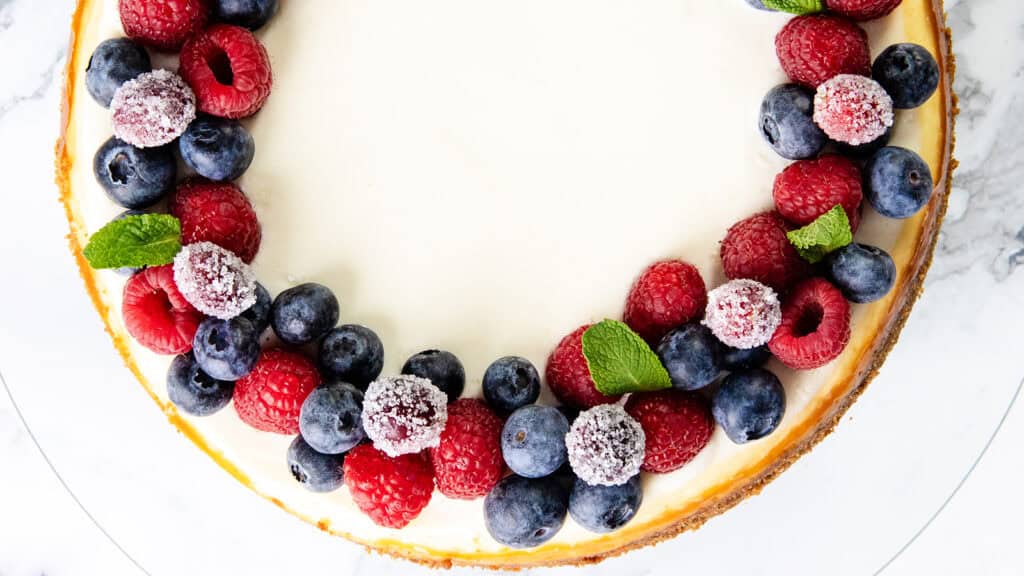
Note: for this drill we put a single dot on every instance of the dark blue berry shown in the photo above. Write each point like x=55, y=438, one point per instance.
x=735, y=359
x=217, y=148
x=304, y=313
x=759, y=5
x=524, y=512
x=134, y=178
x=692, y=356
x=113, y=63
x=252, y=14
x=442, y=368
x=194, y=391
x=331, y=418
x=511, y=383
x=533, y=440
x=863, y=273
x=787, y=124
x=315, y=471
x=604, y=509
x=749, y=405
x=226, y=349
x=128, y=270
x=352, y=353
x=898, y=182
x=259, y=313
x=908, y=72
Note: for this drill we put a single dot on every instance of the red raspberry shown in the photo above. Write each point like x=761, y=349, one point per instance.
x=667, y=295
x=816, y=47
x=757, y=249
x=217, y=212
x=391, y=491
x=269, y=398
x=806, y=189
x=863, y=9
x=163, y=24
x=568, y=375
x=156, y=314
x=853, y=109
x=229, y=71
x=677, y=426
x=815, y=326
x=468, y=462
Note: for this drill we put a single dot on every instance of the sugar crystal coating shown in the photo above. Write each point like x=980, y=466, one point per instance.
x=853, y=109
x=605, y=445
x=214, y=280
x=743, y=313
x=404, y=414
x=153, y=109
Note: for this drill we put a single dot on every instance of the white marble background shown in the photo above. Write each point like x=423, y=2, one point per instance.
x=863, y=495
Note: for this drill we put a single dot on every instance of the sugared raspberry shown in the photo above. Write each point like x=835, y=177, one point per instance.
x=806, y=189
x=229, y=70
x=743, y=313
x=863, y=9
x=815, y=326
x=568, y=374
x=391, y=491
x=214, y=280
x=605, y=445
x=404, y=414
x=667, y=295
x=677, y=426
x=468, y=463
x=816, y=47
x=853, y=109
x=270, y=397
x=153, y=109
x=156, y=314
x=163, y=24
x=757, y=249
x=217, y=212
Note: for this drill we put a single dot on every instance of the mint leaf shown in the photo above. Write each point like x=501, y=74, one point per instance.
x=831, y=231
x=135, y=241
x=795, y=6
x=620, y=361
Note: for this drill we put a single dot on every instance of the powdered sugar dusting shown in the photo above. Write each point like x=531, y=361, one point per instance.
x=853, y=109
x=606, y=446
x=153, y=109
x=404, y=414
x=214, y=280
x=743, y=313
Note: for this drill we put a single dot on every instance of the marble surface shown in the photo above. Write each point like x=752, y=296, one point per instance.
x=93, y=480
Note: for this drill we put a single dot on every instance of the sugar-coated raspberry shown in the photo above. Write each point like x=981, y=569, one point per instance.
x=605, y=445
x=217, y=212
x=568, y=374
x=229, y=70
x=853, y=109
x=270, y=397
x=467, y=462
x=743, y=313
x=667, y=295
x=163, y=24
x=863, y=9
x=392, y=491
x=677, y=426
x=153, y=109
x=156, y=314
x=757, y=249
x=214, y=280
x=815, y=326
x=816, y=47
x=404, y=414
x=806, y=189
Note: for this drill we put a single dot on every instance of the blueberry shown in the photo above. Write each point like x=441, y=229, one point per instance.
x=315, y=471
x=908, y=72
x=759, y=5
x=134, y=178
x=217, y=148
x=128, y=270
x=533, y=440
x=570, y=413
x=259, y=313
x=524, y=512
x=735, y=359
x=194, y=391
x=787, y=124
x=511, y=383
x=226, y=349
x=252, y=14
x=898, y=182
x=863, y=273
x=113, y=63
x=604, y=509
x=304, y=313
x=352, y=353
x=442, y=368
x=331, y=418
x=749, y=405
x=692, y=356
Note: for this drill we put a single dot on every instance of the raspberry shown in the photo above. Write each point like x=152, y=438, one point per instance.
x=163, y=24
x=677, y=426
x=667, y=295
x=270, y=397
x=404, y=414
x=467, y=462
x=153, y=109
x=568, y=375
x=863, y=9
x=853, y=109
x=605, y=446
x=156, y=314
x=214, y=280
x=391, y=491
x=816, y=47
x=217, y=212
x=757, y=249
x=743, y=313
x=229, y=70
x=806, y=189
x=815, y=326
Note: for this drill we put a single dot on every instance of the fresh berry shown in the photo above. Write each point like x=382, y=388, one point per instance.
x=229, y=70
x=604, y=509
x=853, y=109
x=128, y=271
x=219, y=213
x=153, y=109
x=251, y=14
x=353, y=354
x=315, y=471
x=677, y=426
x=692, y=356
x=392, y=491
x=749, y=405
x=134, y=178
x=568, y=374
x=605, y=445
x=862, y=9
x=304, y=313
x=862, y=151
x=736, y=359
x=114, y=62
x=806, y=189
x=217, y=148
x=668, y=294
x=526, y=512
x=226, y=349
x=442, y=368
x=214, y=280
x=533, y=440
x=815, y=326
x=743, y=313
x=331, y=418
x=404, y=414
x=863, y=273
x=163, y=24
x=898, y=182
x=259, y=312
x=816, y=47
x=757, y=249
x=155, y=313
x=787, y=122
x=759, y=5
x=270, y=397
x=511, y=383
x=193, y=391
x=908, y=72
x=468, y=462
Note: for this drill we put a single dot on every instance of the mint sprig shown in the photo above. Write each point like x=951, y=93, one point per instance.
x=829, y=232
x=795, y=6
x=135, y=241
x=620, y=361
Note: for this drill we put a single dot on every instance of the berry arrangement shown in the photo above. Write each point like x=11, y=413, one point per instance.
x=640, y=396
